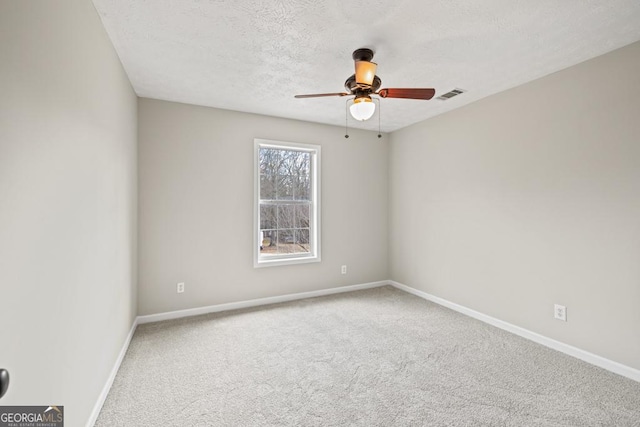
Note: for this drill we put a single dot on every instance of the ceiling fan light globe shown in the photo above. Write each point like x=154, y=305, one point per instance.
x=362, y=109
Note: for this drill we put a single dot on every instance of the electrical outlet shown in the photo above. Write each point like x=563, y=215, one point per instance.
x=343, y=270
x=560, y=312
x=180, y=287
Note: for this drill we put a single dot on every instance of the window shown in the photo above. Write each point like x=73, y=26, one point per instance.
x=287, y=203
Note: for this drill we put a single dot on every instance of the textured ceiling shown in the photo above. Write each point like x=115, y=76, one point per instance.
x=255, y=55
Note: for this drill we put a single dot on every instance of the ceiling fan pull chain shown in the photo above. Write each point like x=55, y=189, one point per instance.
x=346, y=119
x=379, y=114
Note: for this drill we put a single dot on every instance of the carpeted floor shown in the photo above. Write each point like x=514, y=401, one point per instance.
x=378, y=357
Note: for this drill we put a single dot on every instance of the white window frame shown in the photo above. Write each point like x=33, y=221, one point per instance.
x=260, y=260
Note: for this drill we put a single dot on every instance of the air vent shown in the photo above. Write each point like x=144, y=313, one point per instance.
x=451, y=94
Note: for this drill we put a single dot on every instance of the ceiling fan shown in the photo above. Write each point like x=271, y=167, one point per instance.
x=365, y=83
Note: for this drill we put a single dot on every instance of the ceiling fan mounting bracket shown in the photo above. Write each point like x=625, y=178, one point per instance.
x=362, y=54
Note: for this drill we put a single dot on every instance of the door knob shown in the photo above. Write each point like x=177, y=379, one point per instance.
x=4, y=381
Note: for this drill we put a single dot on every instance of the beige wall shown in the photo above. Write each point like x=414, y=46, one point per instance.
x=196, y=207
x=528, y=198
x=67, y=204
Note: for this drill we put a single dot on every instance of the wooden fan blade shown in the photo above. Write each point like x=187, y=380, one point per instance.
x=413, y=93
x=317, y=95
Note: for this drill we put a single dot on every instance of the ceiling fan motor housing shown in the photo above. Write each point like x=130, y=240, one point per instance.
x=353, y=87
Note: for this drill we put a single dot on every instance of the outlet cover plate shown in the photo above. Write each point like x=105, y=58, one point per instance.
x=560, y=312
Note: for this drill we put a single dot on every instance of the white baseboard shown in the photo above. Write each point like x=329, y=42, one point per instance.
x=112, y=376
x=255, y=302
x=594, y=359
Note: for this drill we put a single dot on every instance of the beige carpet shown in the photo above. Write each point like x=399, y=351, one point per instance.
x=379, y=357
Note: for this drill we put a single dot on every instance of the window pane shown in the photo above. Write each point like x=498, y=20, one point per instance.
x=286, y=215
x=302, y=216
x=268, y=244
x=285, y=241
x=302, y=239
x=300, y=172
x=294, y=162
x=285, y=187
x=269, y=161
x=268, y=218
x=293, y=241
x=302, y=187
x=267, y=187
x=285, y=162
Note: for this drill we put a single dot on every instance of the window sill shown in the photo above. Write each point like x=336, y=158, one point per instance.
x=285, y=261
